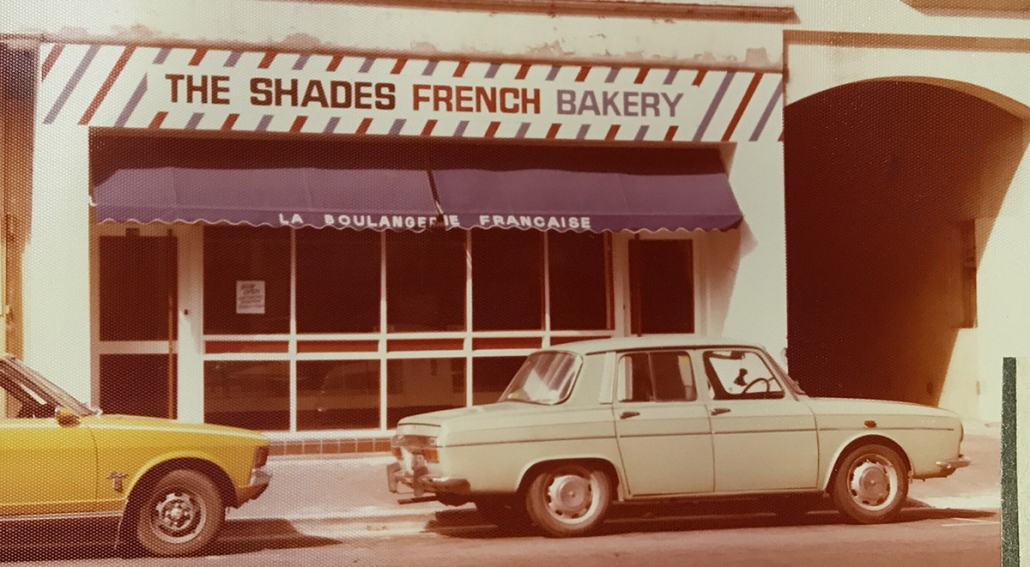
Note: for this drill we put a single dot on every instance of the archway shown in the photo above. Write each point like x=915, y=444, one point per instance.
x=891, y=191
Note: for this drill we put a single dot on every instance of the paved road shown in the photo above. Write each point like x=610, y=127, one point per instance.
x=315, y=505
x=922, y=536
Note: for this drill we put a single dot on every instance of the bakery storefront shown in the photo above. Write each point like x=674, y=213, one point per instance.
x=316, y=245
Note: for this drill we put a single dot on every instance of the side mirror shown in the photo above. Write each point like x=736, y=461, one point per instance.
x=65, y=418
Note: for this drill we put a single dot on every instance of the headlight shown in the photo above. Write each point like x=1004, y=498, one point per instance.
x=429, y=452
x=260, y=456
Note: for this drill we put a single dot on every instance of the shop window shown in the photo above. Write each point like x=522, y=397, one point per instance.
x=254, y=395
x=507, y=280
x=425, y=281
x=427, y=385
x=578, y=266
x=246, y=280
x=337, y=394
x=338, y=281
x=137, y=288
x=491, y=376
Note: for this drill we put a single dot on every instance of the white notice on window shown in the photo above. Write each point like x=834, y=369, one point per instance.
x=250, y=297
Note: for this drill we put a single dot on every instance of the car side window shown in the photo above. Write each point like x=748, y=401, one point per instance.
x=662, y=376
x=740, y=374
x=17, y=401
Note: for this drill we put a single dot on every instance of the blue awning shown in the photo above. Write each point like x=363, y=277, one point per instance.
x=565, y=200
x=381, y=199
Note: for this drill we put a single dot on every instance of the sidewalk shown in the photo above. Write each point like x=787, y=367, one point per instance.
x=333, y=496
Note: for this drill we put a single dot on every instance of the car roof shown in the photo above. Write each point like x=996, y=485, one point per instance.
x=650, y=341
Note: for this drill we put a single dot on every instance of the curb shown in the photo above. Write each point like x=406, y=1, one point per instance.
x=385, y=522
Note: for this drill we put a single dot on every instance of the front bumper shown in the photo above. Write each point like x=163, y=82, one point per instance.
x=951, y=465
x=259, y=479
x=421, y=482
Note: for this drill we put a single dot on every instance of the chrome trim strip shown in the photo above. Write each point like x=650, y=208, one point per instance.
x=638, y=435
x=867, y=429
x=64, y=516
x=764, y=431
x=592, y=438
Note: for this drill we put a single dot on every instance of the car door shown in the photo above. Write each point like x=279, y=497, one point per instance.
x=45, y=467
x=662, y=428
x=764, y=437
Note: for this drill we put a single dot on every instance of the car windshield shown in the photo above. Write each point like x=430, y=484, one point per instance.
x=544, y=378
x=30, y=387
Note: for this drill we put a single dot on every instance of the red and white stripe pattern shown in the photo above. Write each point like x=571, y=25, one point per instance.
x=129, y=87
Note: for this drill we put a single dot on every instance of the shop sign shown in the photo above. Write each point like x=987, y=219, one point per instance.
x=208, y=89
x=250, y=297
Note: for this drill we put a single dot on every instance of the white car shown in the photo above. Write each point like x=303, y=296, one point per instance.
x=588, y=424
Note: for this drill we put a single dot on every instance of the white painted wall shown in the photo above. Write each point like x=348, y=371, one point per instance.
x=745, y=269
x=897, y=17
x=324, y=26
x=56, y=270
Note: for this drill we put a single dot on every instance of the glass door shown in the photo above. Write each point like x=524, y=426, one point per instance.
x=137, y=289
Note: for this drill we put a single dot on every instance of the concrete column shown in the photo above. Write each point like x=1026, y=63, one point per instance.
x=190, y=344
x=1003, y=302
x=756, y=308
x=56, y=307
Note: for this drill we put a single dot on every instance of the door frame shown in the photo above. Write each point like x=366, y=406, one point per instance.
x=621, y=275
x=162, y=347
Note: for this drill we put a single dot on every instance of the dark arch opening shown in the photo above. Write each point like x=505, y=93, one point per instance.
x=891, y=192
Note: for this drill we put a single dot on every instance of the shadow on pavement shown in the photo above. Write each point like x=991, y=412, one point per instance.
x=93, y=540
x=467, y=524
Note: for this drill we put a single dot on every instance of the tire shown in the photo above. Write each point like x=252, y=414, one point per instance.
x=180, y=515
x=508, y=514
x=569, y=500
x=871, y=484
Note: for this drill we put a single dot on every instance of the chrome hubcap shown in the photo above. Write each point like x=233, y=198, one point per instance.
x=569, y=496
x=872, y=483
x=178, y=516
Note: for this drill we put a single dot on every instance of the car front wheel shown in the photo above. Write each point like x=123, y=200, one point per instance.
x=569, y=499
x=871, y=484
x=181, y=514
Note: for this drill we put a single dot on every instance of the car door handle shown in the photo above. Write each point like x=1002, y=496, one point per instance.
x=627, y=414
x=717, y=411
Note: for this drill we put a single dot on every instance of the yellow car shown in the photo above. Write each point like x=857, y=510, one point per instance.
x=168, y=482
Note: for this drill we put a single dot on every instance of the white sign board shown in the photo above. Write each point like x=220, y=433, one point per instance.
x=250, y=297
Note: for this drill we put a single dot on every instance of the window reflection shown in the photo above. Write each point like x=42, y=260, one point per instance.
x=337, y=394
x=423, y=385
x=253, y=395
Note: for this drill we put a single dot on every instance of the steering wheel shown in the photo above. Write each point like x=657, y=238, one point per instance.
x=766, y=381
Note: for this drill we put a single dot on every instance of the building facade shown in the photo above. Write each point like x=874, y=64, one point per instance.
x=315, y=218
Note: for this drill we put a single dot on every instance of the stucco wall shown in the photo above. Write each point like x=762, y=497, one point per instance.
x=364, y=28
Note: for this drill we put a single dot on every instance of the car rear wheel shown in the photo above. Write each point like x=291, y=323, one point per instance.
x=871, y=484
x=181, y=514
x=569, y=499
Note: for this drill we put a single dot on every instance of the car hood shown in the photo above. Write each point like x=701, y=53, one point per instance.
x=853, y=413
x=507, y=421
x=155, y=424
x=473, y=413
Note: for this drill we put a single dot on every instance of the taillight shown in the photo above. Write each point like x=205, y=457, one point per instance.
x=395, y=449
x=260, y=456
x=430, y=454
